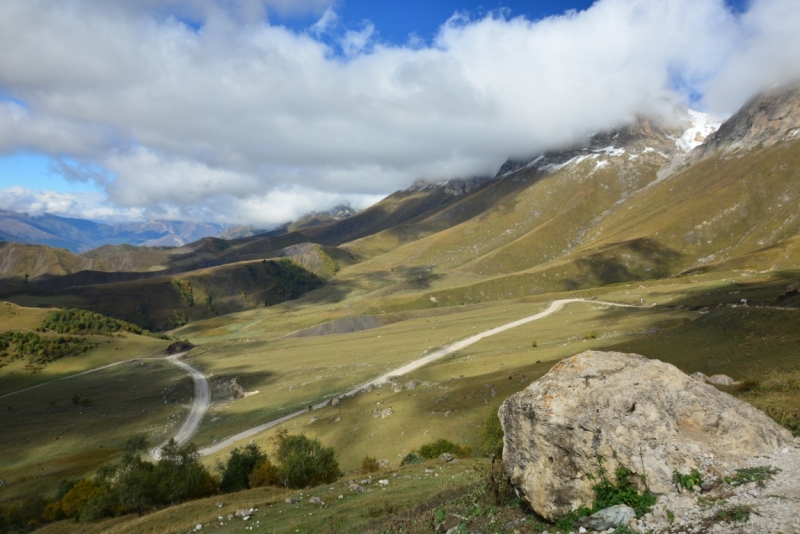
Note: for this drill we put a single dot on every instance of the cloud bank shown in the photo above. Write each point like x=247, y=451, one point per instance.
x=243, y=121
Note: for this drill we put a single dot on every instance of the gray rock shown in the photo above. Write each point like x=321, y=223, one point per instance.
x=287, y=500
x=446, y=457
x=357, y=489
x=317, y=500
x=386, y=413
x=721, y=380
x=641, y=414
x=412, y=384
x=608, y=518
x=699, y=376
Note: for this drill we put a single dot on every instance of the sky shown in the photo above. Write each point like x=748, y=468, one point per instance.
x=257, y=111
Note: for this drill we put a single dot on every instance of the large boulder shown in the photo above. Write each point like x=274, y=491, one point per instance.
x=641, y=414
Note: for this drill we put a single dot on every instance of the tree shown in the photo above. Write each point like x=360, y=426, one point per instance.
x=77, y=497
x=242, y=462
x=180, y=476
x=304, y=462
x=264, y=474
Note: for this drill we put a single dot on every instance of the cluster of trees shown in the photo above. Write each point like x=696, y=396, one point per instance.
x=85, y=322
x=184, y=288
x=291, y=279
x=299, y=462
x=136, y=485
x=41, y=350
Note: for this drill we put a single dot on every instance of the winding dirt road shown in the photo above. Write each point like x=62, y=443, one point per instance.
x=414, y=365
x=202, y=398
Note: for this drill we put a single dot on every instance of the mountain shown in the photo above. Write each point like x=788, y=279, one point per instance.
x=79, y=235
x=644, y=200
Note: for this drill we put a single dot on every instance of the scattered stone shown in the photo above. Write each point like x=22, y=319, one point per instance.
x=721, y=380
x=220, y=504
x=198, y=527
x=708, y=485
x=383, y=482
x=608, y=518
x=412, y=384
x=397, y=388
x=455, y=530
x=242, y=513
x=386, y=413
x=383, y=464
x=357, y=489
x=336, y=401
x=317, y=500
x=446, y=457
x=641, y=414
x=313, y=420
x=230, y=516
x=288, y=500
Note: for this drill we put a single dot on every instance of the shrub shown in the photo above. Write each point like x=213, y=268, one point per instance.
x=411, y=458
x=694, y=478
x=759, y=475
x=369, y=465
x=491, y=436
x=240, y=464
x=433, y=450
x=304, y=462
x=76, y=498
x=623, y=492
x=264, y=474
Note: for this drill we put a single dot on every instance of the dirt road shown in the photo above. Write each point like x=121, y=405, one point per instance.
x=202, y=398
x=414, y=365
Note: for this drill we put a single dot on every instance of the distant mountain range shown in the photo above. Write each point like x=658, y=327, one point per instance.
x=79, y=235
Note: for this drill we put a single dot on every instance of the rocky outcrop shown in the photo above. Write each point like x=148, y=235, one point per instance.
x=641, y=414
x=766, y=119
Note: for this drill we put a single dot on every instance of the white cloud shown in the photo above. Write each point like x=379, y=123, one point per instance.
x=239, y=113
x=77, y=205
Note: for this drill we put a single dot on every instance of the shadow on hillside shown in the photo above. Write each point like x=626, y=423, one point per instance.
x=639, y=259
x=781, y=288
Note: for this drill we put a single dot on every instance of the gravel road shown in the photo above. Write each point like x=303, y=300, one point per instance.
x=412, y=366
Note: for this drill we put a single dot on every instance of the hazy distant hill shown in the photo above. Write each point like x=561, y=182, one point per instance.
x=79, y=235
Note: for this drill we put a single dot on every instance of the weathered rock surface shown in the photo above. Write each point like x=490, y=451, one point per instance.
x=611, y=517
x=642, y=414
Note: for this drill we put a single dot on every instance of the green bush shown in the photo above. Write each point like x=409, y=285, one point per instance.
x=411, y=458
x=240, y=464
x=433, y=450
x=491, y=436
x=694, y=478
x=304, y=462
x=624, y=491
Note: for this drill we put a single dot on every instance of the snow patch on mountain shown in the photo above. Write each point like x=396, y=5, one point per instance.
x=703, y=125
